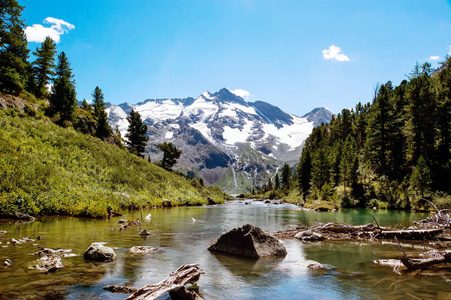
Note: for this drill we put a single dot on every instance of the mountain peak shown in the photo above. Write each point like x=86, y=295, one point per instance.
x=225, y=95
x=318, y=115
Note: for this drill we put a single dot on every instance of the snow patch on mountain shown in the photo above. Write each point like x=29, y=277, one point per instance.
x=293, y=135
x=237, y=135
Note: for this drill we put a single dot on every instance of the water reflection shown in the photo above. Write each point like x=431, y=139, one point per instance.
x=180, y=241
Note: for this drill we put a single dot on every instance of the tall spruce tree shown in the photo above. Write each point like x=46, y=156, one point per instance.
x=13, y=48
x=443, y=95
x=320, y=167
x=420, y=127
x=421, y=177
x=270, y=187
x=277, y=181
x=170, y=155
x=286, y=176
x=347, y=164
x=304, y=172
x=136, y=139
x=63, y=100
x=43, y=66
x=378, y=129
x=103, y=129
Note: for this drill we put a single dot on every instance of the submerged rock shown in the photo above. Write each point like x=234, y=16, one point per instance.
x=142, y=249
x=98, y=252
x=145, y=232
x=49, y=264
x=250, y=241
x=48, y=251
x=7, y=262
x=309, y=235
x=24, y=216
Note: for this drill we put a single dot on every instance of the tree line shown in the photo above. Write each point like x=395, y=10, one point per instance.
x=391, y=152
x=54, y=83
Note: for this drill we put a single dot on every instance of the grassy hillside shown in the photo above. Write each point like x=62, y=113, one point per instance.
x=49, y=170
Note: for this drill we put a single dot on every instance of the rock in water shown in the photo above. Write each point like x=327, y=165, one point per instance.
x=142, y=249
x=249, y=241
x=49, y=264
x=98, y=252
x=309, y=235
x=144, y=232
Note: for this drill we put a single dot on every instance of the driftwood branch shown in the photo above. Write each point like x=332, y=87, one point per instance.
x=175, y=281
x=410, y=234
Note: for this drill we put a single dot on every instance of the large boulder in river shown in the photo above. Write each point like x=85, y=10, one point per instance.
x=98, y=252
x=249, y=241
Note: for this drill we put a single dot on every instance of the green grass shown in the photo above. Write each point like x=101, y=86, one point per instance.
x=49, y=170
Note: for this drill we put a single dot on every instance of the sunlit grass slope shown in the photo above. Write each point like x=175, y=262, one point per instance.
x=49, y=170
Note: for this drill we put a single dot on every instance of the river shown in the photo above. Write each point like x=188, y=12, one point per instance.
x=180, y=241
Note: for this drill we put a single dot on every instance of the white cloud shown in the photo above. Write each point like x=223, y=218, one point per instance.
x=38, y=33
x=334, y=54
x=241, y=93
x=434, y=57
x=449, y=52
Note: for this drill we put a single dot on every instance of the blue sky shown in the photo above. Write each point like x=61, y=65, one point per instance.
x=295, y=54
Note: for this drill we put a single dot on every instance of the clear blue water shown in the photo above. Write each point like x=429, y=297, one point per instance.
x=180, y=241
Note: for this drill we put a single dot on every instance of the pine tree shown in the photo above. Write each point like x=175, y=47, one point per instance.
x=320, y=168
x=136, y=139
x=13, y=48
x=270, y=187
x=286, y=175
x=170, y=155
x=63, y=99
x=378, y=130
x=277, y=182
x=443, y=94
x=347, y=163
x=421, y=177
x=420, y=127
x=43, y=66
x=305, y=172
x=98, y=101
x=103, y=129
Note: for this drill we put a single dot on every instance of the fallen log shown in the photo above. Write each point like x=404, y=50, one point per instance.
x=409, y=234
x=120, y=289
x=424, y=263
x=175, y=281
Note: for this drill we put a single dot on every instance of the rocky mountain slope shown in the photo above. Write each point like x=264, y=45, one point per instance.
x=231, y=143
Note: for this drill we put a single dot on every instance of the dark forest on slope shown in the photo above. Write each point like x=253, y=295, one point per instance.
x=388, y=153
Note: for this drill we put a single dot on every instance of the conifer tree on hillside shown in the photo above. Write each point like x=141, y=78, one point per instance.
x=347, y=164
x=420, y=126
x=103, y=129
x=63, y=100
x=136, y=139
x=286, y=176
x=170, y=155
x=13, y=48
x=421, y=177
x=378, y=129
x=320, y=168
x=304, y=172
x=270, y=187
x=43, y=66
x=277, y=181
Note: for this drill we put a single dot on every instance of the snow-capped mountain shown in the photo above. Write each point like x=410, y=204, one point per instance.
x=229, y=142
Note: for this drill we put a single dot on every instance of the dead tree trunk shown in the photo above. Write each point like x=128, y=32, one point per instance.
x=176, y=280
x=424, y=234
